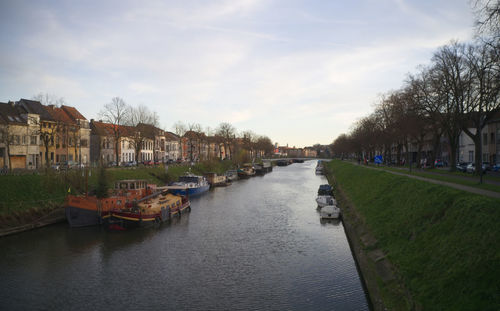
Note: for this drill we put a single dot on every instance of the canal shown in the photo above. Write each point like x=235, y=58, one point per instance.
x=255, y=245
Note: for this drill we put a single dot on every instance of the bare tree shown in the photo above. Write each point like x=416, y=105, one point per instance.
x=142, y=124
x=483, y=99
x=248, y=139
x=179, y=129
x=141, y=114
x=488, y=18
x=7, y=138
x=265, y=145
x=49, y=99
x=227, y=132
x=115, y=113
x=450, y=83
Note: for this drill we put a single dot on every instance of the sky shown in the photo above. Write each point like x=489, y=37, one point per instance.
x=299, y=72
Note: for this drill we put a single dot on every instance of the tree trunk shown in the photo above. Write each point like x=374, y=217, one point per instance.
x=117, y=146
x=46, y=144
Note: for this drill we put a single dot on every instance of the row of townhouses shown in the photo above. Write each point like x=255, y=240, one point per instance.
x=33, y=135
x=490, y=140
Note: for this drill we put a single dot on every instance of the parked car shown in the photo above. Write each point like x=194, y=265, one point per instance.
x=471, y=168
x=462, y=167
x=170, y=161
x=130, y=163
x=496, y=167
x=438, y=163
x=148, y=162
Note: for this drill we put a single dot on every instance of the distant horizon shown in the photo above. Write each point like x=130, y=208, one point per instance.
x=300, y=73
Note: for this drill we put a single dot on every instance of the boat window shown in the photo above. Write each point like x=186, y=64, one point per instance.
x=118, y=202
x=123, y=186
x=132, y=185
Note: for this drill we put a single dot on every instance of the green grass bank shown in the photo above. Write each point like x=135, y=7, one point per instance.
x=25, y=198
x=443, y=243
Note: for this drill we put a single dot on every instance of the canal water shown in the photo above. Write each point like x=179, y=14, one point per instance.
x=255, y=245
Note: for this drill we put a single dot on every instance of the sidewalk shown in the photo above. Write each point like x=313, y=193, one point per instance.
x=491, y=194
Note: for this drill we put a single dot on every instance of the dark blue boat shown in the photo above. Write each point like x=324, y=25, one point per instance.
x=190, y=185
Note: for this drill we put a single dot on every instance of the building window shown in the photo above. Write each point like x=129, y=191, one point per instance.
x=471, y=156
x=486, y=157
x=33, y=140
x=485, y=139
x=492, y=138
x=83, y=143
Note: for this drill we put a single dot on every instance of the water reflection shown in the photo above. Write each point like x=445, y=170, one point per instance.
x=255, y=245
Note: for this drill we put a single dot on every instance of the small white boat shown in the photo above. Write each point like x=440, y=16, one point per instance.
x=330, y=212
x=324, y=200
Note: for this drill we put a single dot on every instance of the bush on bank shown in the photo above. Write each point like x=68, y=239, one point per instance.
x=444, y=242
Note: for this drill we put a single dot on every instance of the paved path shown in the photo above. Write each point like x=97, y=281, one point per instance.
x=484, y=192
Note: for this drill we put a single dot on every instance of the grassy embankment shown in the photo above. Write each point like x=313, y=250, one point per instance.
x=26, y=197
x=445, y=243
x=453, y=177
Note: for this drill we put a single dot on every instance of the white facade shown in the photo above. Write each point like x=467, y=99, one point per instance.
x=172, y=148
x=147, y=150
x=127, y=152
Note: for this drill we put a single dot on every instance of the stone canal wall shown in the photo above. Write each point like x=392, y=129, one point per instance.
x=32, y=220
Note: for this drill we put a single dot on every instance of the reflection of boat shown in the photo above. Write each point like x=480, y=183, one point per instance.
x=330, y=212
x=325, y=221
x=319, y=168
x=155, y=208
x=246, y=171
x=190, y=184
x=232, y=175
x=87, y=210
x=264, y=168
x=282, y=162
x=216, y=180
x=324, y=200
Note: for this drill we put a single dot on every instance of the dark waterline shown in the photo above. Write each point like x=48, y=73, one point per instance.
x=256, y=245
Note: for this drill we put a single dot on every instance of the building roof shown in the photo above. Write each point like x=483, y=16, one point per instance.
x=149, y=130
x=107, y=129
x=171, y=136
x=194, y=135
x=73, y=113
x=35, y=107
x=10, y=114
x=59, y=114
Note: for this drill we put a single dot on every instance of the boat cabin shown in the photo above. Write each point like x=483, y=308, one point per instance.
x=131, y=184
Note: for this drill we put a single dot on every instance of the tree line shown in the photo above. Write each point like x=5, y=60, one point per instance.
x=459, y=91
x=122, y=115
